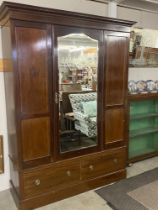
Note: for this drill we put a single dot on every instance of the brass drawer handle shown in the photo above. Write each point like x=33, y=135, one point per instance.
x=68, y=173
x=115, y=160
x=91, y=167
x=37, y=182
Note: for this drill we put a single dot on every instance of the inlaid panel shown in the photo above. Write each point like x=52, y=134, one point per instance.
x=114, y=125
x=35, y=138
x=32, y=55
x=116, y=70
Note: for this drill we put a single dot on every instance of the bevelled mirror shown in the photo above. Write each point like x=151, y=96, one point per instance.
x=77, y=66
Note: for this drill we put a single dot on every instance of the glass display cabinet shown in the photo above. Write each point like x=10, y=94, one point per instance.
x=143, y=128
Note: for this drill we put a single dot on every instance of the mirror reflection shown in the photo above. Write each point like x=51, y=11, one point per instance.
x=77, y=65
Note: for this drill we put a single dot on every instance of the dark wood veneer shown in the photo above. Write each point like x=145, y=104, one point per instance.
x=39, y=173
x=35, y=138
x=114, y=126
x=93, y=167
x=32, y=68
x=61, y=17
x=116, y=73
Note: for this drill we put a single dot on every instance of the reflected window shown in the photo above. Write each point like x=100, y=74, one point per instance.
x=78, y=66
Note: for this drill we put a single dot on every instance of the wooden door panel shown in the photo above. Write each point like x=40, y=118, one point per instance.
x=32, y=52
x=116, y=70
x=35, y=138
x=114, y=125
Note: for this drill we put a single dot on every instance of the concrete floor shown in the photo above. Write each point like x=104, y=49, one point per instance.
x=84, y=201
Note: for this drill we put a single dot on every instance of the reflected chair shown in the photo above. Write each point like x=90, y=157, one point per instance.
x=84, y=106
x=68, y=133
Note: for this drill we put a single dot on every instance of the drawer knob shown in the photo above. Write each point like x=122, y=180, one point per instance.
x=115, y=160
x=68, y=173
x=37, y=182
x=91, y=167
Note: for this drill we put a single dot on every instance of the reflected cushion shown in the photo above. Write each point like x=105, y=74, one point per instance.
x=89, y=108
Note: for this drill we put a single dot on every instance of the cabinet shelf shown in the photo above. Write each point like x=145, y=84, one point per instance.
x=141, y=116
x=141, y=132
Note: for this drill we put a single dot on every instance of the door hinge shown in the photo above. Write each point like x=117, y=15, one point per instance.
x=56, y=98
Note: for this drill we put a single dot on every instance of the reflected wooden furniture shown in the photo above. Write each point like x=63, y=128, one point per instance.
x=1, y=155
x=68, y=87
x=40, y=174
x=66, y=105
x=66, y=110
x=70, y=119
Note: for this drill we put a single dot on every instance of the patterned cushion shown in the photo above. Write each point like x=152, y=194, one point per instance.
x=90, y=108
x=76, y=100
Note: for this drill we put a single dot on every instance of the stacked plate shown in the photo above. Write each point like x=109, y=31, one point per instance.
x=142, y=87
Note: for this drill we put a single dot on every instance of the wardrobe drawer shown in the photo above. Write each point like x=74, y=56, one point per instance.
x=102, y=164
x=51, y=178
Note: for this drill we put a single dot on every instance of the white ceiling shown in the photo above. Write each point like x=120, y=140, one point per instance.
x=151, y=5
x=142, y=4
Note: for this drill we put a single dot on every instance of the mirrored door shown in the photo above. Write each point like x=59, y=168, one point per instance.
x=77, y=64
